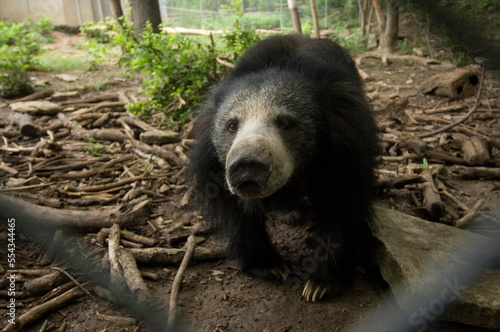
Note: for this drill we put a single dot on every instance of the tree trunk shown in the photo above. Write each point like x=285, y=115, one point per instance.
x=116, y=8
x=379, y=12
x=390, y=35
x=369, y=23
x=314, y=16
x=363, y=8
x=144, y=11
x=295, y=16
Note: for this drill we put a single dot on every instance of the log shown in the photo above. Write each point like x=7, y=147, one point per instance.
x=25, y=124
x=171, y=256
x=97, y=99
x=36, y=95
x=64, y=95
x=460, y=83
x=36, y=107
x=115, y=270
x=123, y=267
x=386, y=57
x=477, y=173
x=44, y=284
x=83, y=221
x=432, y=200
x=475, y=149
x=398, y=182
x=152, y=135
x=466, y=116
x=8, y=170
x=108, y=134
x=158, y=137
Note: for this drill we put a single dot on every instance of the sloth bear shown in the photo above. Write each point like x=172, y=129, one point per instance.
x=289, y=132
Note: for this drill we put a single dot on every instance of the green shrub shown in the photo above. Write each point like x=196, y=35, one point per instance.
x=350, y=38
x=19, y=44
x=98, y=31
x=178, y=69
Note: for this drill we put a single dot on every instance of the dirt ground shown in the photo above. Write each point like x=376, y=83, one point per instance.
x=214, y=295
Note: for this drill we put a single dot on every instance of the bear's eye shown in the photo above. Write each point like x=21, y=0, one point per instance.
x=283, y=122
x=232, y=126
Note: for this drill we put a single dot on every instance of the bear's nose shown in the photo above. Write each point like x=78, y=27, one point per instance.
x=248, y=174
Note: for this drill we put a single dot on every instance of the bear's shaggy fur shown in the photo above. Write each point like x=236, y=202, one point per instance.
x=288, y=131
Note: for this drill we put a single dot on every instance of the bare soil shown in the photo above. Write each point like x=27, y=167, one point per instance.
x=214, y=295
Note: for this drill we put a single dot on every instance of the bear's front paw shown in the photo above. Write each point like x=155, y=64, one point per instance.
x=280, y=272
x=317, y=289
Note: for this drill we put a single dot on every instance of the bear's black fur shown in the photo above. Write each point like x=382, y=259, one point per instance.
x=332, y=137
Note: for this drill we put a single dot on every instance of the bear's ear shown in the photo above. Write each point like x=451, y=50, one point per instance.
x=217, y=100
x=218, y=94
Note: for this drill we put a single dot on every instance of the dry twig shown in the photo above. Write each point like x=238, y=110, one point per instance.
x=44, y=309
x=176, y=285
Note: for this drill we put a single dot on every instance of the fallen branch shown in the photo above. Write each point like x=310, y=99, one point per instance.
x=110, y=104
x=124, y=234
x=414, y=58
x=474, y=148
x=36, y=95
x=106, y=186
x=123, y=267
x=455, y=200
x=460, y=223
x=133, y=121
x=171, y=256
x=432, y=200
x=42, y=310
x=169, y=156
x=176, y=284
x=43, y=284
x=477, y=173
x=112, y=135
x=25, y=123
x=96, y=99
x=79, y=285
x=83, y=221
x=8, y=170
x=224, y=63
x=399, y=182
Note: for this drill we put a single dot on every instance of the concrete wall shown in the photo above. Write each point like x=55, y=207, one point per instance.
x=67, y=12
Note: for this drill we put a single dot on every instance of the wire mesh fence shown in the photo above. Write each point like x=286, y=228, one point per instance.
x=263, y=14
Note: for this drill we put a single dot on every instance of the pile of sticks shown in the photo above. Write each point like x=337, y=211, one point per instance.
x=426, y=149
x=88, y=165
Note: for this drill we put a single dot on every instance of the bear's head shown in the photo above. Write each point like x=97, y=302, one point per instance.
x=264, y=130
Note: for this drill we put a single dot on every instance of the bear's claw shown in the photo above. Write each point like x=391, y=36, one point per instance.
x=281, y=272
x=315, y=290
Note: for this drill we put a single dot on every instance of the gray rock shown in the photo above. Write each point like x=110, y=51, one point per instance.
x=437, y=271
x=36, y=107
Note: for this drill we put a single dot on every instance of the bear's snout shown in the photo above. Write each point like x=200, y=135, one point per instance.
x=248, y=174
